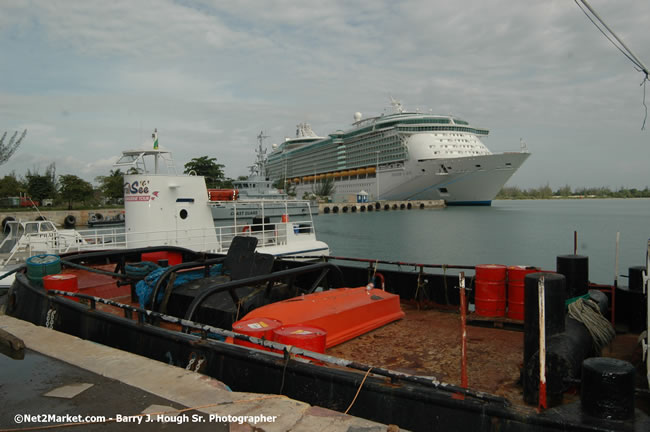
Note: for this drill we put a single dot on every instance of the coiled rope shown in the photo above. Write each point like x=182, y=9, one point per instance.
x=588, y=313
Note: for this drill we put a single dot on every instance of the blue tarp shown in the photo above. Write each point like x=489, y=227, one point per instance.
x=144, y=288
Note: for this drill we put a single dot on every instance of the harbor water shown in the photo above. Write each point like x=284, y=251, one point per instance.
x=517, y=232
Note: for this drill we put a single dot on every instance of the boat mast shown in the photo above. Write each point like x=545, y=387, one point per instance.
x=260, y=163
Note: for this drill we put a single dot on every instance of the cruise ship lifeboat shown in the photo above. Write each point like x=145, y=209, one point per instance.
x=343, y=313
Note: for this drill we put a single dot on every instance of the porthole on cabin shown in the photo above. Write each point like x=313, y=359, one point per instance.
x=183, y=214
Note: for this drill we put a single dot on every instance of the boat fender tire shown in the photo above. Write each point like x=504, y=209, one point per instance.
x=335, y=209
x=409, y=206
x=421, y=205
x=69, y=221
x=326, y=210
x=99, y=217
x=377, y=206
x=354, y=209
x=5, y=221
x=402, y=206
x=120, y=217
x=345, y=209
x=386, y=207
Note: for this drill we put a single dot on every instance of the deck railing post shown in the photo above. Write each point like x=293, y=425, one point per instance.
x=542, y=343
x=463, y=327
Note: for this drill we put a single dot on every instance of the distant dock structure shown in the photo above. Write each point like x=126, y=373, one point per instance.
x=363, y=207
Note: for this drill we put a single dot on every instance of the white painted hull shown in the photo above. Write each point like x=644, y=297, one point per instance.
x=463, y=180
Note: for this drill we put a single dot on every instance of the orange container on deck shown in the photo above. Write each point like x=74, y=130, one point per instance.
x=516, y=276
x=261, y=328
x=301, y=336
x=490, y=297
x=62, y=282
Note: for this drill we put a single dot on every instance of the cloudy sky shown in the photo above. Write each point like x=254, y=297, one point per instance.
x=89, y=79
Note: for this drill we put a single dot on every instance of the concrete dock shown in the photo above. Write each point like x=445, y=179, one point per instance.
x=67, y=382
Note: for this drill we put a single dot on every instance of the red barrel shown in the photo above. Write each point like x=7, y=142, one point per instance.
x=301, y=336
x=62, y=282
x=490, y=298
x=261, y=328
x=516, y=275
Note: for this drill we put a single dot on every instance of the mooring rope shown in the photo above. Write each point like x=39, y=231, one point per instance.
x=588, y=313
x=358, y=390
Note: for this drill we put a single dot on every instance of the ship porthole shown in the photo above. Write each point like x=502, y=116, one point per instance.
x=183, y=214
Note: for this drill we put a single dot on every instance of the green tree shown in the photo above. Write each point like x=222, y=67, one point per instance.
x=564, y=191
x=112, y=185
x=208, y=168
x=10, y=185
x=324, y=188
x=41, y=186
x=75, y=189
x=286, y=185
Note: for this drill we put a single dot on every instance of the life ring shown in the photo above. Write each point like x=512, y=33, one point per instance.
x=246, y=228
x=69, y=221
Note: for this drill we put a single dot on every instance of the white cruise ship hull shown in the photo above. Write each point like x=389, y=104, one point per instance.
x=473, y=180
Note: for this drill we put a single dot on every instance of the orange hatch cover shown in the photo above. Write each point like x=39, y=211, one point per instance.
x=344, y=313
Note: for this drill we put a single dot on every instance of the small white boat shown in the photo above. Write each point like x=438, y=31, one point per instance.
x=178, y=210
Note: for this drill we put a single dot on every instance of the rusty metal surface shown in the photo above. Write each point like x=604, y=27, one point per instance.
x=428, y=342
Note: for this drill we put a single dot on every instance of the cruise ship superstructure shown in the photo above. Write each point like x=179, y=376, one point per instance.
x=399, y=156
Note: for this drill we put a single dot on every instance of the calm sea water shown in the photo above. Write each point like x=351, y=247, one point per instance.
x=518, y=232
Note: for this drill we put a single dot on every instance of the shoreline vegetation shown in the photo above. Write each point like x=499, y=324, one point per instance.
x=565, y=192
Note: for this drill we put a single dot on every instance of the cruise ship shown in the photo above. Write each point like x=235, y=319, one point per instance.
x=399, y=156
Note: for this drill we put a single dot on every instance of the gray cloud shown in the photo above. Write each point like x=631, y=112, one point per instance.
x=90, y=78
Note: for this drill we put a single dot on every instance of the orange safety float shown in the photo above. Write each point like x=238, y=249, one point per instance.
x=343, y=313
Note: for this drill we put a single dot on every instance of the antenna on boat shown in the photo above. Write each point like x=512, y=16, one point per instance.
x=154, y=136
x=638, y=64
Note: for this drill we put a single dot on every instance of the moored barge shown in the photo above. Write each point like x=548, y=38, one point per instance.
x=408, y=372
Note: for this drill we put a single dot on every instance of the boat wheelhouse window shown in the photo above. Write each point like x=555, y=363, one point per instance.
x=477, y=166
x=508, y=164
x=47, y=226
x=443, y=190
x=183, y=214
x=190, y=200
